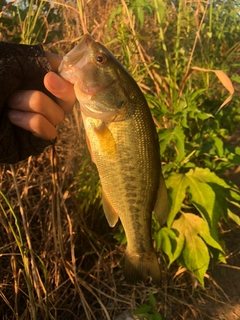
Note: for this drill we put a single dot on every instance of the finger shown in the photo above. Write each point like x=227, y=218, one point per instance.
x=37, y=102
x=54, y=60
x=33, y=122
x=61, y=89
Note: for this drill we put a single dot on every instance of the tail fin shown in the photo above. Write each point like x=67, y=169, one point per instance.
x=140, y=267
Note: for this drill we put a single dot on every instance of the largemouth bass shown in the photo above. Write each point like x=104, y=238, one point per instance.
x=123, y=143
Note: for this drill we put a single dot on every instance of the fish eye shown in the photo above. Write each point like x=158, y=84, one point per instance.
x=101, y=58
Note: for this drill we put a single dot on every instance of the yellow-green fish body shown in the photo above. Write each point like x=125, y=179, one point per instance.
x=123, y=142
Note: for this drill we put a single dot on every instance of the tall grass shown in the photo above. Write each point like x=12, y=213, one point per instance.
x=58, y=257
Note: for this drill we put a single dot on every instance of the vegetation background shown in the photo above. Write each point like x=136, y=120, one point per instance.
x=59, y=259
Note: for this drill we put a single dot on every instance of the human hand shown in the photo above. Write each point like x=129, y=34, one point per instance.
x=34, y=111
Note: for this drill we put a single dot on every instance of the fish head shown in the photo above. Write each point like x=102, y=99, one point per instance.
x=99, y=80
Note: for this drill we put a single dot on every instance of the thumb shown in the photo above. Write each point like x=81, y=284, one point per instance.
x=61, y=89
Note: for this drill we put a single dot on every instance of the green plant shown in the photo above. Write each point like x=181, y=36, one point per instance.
x=30, y=22
x=148, y=311
x=193, y=138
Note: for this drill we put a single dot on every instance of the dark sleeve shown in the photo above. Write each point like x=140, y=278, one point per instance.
x=22, y=67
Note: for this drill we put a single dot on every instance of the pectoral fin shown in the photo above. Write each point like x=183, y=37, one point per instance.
x=100, y=140
x=110, y=213
x=106, y=142
x=161, y=208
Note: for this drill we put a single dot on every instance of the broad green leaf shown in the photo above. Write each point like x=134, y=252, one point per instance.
x=170, y=243
x=204, y=116
x=152, y=300
x=180, y=142
x=176, y=137
x=177, y=246
x=218, y=146
x=209, y=198
x=197, y=235
x=207, y=192
x=196, y=258
x=163, y=241
x=205, y=175
x=221, y=203
x=195, y=253
x=202, y=196
x=165, y=137
x=177, y=183
x=204, y=232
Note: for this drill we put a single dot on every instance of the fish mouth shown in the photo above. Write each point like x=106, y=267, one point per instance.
x=79, y=59
x=78, y=56
x=75, y=65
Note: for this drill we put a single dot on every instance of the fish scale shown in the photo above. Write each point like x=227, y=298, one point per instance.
x=123, y=143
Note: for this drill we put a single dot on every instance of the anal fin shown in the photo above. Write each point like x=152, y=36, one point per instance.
x=110, y=213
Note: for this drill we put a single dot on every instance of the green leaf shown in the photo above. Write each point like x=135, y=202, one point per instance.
x=201, y=195
x=209, y=195
x=221, y=203
x=180, y=142
x=204, y=116
x=177, y=185
x=234, y=217
x=179, y=247
x=143, y=309
x=195, y=252
x=205, y=175
x=157, y=316
x=165, y=137
x=165, y=234
x=218, y=146
x=170, y=242
x=204, y=233
x=115, y=12
x=152, y=300
x=177, y=137
x=207, y=192
x=235, y=195
x=196, y=258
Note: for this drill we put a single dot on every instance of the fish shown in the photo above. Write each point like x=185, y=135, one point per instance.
x=123, y=143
